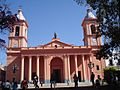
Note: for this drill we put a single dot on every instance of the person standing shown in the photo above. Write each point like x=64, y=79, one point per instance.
x=14, y=84
x=24, y=84
x=75, y=80
x=92, y=78
x=36, y=81
x=52, y=80
x=7, y=85
x=2, y=85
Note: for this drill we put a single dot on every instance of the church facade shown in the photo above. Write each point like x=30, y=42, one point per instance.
x=64, y=60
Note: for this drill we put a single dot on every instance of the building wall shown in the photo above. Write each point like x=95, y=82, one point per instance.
x=50, y=62
x=2, y=74
x=11, y=61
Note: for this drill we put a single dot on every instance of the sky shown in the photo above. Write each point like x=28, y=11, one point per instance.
x=45, y=17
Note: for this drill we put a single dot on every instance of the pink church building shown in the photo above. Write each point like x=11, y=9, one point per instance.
x=60, y=58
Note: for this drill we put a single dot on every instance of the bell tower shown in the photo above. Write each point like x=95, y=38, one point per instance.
x=90, y=30
x=18, y=38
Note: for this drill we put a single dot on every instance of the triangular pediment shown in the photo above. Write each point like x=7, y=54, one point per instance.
x=56, y=43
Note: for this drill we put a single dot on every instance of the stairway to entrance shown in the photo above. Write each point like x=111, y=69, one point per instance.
x=60, y=85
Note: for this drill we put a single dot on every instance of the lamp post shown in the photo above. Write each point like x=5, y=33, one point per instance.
x=91, y=65
x=14, y=68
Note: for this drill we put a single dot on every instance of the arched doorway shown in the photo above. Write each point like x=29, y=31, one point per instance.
x=57, y=69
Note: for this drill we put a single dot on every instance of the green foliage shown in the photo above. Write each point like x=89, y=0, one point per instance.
x=112, y=69
x=107, y=12
x=7, y=20
x=109, y=74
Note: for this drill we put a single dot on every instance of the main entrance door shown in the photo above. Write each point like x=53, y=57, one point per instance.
x=57, y=73
x=57, y=69
x=79, y=76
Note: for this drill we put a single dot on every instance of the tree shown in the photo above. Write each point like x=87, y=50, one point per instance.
x=107, y=12
x=109, y=74
x=7, y=20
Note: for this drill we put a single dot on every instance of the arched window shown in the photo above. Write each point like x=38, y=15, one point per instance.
x=15, y=45
x=93, y=29
x=17, y=30
x=97, y=67
x=94, y=41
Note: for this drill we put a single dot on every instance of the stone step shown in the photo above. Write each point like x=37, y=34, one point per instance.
x=58, y=85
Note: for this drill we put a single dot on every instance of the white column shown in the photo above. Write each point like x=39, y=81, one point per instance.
x=48, y=68
x=84, y=68
x=69, y=68
x=22, y=68
x=45, y=69
x=38, y=68
x=65, y=69
x=76, y=67
x=30, y=68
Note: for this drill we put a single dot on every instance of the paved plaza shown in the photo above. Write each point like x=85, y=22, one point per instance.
x=81, y=86
x=64, y=86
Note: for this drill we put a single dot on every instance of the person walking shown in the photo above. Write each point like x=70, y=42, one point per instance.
x=35, y=81
x=24, y=84
x=92, y=78
x=75, y=80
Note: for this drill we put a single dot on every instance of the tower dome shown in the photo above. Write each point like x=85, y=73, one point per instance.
x=90, y=14
x=20, y=15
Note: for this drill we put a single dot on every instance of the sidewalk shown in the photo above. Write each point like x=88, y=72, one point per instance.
x=60, y=85
x=106, y=87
